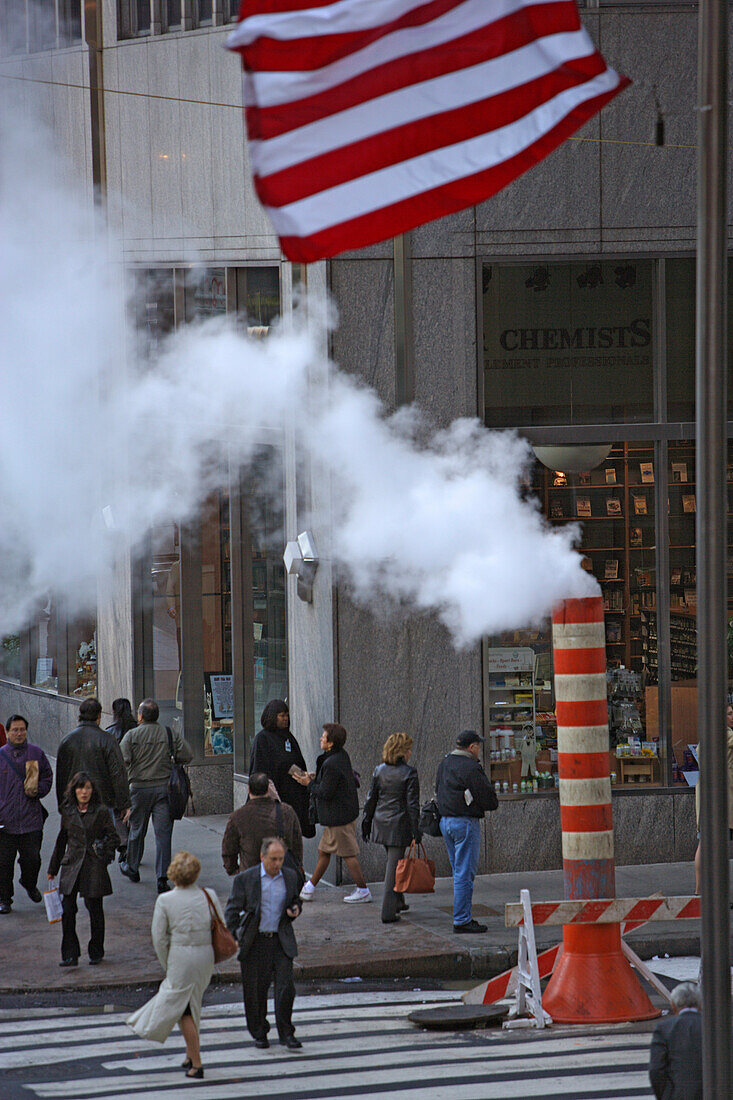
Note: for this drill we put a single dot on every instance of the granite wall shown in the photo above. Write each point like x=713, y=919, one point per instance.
x=523, y=834
x=50, y=717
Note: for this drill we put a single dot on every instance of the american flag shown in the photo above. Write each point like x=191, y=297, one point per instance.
x=369, y=117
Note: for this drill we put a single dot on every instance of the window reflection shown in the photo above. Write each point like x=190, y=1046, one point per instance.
x=216, y=619
x=165, y=576
x=269, y=623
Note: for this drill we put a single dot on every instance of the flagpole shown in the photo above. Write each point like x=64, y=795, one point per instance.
x=711, y=414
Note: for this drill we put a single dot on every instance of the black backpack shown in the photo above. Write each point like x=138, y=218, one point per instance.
x=179, y=785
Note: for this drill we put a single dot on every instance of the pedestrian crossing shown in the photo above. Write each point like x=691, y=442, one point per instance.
x=354, y=1045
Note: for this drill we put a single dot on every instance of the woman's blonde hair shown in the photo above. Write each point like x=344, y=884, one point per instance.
x=396, y=747
x=184, y=869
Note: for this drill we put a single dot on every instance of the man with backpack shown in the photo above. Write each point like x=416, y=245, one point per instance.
x=261, y=816
x=149, y=751
x=464, y=794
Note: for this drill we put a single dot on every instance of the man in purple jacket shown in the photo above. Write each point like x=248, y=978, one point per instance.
x=23, y=768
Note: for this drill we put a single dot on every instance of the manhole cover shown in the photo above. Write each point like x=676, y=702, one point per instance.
x=458, y=1017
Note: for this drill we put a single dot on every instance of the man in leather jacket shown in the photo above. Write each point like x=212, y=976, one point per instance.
x=88, y=748
x=464, y=794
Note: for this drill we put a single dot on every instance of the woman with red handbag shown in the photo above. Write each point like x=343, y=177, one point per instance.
x=391, y=815
x=182, y=937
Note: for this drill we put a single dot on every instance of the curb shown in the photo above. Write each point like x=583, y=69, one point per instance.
x=457, y=966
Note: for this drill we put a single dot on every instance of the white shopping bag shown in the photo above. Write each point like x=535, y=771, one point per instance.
x=52, y=899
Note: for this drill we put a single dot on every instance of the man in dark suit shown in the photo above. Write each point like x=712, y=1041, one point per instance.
x=260, y=912
x=675, y=1063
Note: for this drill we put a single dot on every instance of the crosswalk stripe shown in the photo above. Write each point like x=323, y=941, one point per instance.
x=388, y=1017
x=444, y=1044
x=454, y=1067
x=355, y=1045
x=575, y=1086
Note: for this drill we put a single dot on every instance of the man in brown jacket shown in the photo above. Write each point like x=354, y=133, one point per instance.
x=257, y=819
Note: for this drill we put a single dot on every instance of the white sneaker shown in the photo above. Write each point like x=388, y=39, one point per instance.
x=359, y=894
x=306, y=894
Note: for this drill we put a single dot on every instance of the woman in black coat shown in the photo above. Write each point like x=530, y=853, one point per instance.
x=124, y=720
x=85, y=845
x=335, y=805
x=392, y=813
x=276, y=753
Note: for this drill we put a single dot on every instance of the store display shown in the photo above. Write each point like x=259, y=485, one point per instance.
x=86, y=669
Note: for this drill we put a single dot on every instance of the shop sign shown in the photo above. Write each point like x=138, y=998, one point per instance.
x=507, y=659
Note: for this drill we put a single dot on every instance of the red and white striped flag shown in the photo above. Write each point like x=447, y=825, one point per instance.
x=369, y=117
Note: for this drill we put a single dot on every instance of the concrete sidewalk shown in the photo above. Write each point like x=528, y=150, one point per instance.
x=335, y=940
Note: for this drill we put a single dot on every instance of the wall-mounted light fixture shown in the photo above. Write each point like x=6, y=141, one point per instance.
x=301, y=561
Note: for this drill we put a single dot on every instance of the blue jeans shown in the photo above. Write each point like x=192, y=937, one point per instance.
x=462, y=836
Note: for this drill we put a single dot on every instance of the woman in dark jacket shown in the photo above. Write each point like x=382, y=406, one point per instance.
x=124, y=720
x=391, y=814
x=276, y=753
x=85, y=845
x=335, y=805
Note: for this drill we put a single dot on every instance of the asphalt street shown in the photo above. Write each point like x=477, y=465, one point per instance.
x=354, y=1045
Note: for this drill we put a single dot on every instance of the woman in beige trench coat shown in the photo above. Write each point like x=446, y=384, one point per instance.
x=181, y=933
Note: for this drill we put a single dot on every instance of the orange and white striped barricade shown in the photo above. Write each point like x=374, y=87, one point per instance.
x=593, y=981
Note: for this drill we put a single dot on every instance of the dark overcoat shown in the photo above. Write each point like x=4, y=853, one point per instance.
x=675, y=1057
x=74, y=853
x=242, y=914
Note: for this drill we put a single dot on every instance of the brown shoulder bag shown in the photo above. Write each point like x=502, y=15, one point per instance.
x=222, y=940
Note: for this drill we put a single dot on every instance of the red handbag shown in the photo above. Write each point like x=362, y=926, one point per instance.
x=415, y=873
x=222, y=940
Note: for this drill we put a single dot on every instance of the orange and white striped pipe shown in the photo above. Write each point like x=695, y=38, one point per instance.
x=579, y=647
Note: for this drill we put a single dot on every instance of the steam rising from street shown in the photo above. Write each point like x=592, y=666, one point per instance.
x=435, y=521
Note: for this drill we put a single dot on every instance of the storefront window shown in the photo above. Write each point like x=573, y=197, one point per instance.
x=568, y=343
x=10, y=657
x=152, y=309
x=257, y=294
x=680, y=312
x=192, y=629
x=269, y=622
x=44, y=653
x=165, y=577
x=205, y=293
x=216, y=617
x=81, y=640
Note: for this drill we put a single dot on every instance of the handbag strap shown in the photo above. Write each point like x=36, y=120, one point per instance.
x=172, y=754
x=416, y=851
x=212, y=908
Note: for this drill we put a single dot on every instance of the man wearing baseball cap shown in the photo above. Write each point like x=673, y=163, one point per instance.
x=463, y=794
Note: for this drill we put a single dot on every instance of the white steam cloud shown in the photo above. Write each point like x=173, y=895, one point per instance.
x=435, y=521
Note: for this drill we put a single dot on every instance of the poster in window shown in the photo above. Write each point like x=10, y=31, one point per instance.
x=584, y=506
x=688, y=503
x=647, y=472
x=221, y=688
x=640, y=505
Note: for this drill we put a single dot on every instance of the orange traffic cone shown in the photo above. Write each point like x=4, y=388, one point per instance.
x=593, y=982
